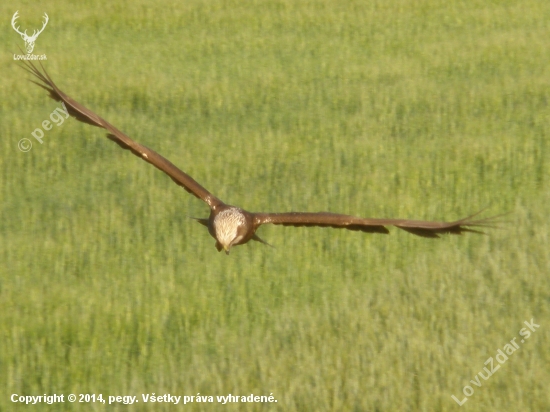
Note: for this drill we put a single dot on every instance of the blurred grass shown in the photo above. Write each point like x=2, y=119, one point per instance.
x=431, y=110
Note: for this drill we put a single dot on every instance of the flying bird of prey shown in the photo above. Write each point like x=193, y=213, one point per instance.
x=231, y=225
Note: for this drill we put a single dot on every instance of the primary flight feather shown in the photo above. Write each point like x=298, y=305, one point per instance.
x=232, y=226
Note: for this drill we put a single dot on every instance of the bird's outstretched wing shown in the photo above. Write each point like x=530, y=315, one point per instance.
x=337, y=221
x=85, y=115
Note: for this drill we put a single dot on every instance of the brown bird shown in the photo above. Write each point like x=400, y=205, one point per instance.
x=231, y=225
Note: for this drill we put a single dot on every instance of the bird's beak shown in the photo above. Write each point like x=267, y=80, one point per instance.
x=227, y=248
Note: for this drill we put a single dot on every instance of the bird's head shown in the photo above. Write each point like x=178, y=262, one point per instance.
x=225, y=240
x=228, y=226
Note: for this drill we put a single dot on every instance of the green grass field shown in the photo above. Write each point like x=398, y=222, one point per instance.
x=427, y=110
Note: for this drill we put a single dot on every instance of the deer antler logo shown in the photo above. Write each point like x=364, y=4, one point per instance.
x=29, y=40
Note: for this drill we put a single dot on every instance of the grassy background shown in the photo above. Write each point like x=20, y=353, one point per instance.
x=428, y=110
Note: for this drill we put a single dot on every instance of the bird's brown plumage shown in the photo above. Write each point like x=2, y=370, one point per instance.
x=232, y=226
x=85, y=115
